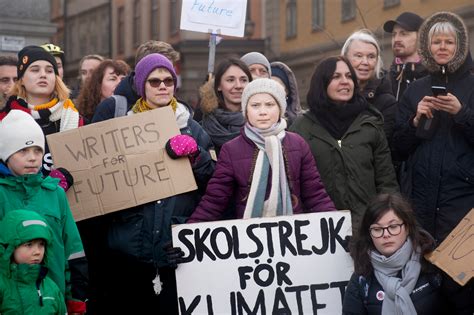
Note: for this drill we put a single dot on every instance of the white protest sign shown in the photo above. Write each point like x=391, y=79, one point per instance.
x=286, y=265
x=225, y=17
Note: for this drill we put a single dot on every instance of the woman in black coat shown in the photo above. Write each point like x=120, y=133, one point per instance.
x=437, y=135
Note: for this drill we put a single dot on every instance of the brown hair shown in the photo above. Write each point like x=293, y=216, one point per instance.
x=156, y=47
x=91, y=95
x=221, y=69
x=361, y=244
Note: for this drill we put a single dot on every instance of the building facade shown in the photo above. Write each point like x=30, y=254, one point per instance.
x=302, y=32
x=297, y=32
x=21, y=26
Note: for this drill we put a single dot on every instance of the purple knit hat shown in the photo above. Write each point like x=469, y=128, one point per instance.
x=146, y=66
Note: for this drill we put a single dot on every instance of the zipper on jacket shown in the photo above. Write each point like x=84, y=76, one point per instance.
x=339, y=142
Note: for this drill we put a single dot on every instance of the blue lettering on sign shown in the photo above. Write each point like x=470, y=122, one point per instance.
x=210, y=8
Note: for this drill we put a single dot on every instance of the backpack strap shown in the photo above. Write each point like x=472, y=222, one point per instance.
x=121, y=105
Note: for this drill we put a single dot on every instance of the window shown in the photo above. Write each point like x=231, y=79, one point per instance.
x=291, y=19
x=154, y=18
x=174, y=17
x=390, y=3
x=136, y=23
x=120, y=30
x=317, y=22
x=348, y=10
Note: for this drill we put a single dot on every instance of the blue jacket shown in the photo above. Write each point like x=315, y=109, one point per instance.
x=106, y=109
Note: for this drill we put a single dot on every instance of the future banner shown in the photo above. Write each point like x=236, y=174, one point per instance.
x=280, y=265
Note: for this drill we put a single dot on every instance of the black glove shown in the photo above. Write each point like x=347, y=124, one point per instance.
x=174, y=255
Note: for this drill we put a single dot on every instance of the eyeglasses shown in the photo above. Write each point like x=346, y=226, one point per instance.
x=392, y=229
x=155, y=82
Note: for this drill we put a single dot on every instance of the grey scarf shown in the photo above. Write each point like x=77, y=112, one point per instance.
x=397, y=299
x=222, y=125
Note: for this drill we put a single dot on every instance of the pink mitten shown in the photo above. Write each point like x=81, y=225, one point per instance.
x=65, y=178
x=182, y=145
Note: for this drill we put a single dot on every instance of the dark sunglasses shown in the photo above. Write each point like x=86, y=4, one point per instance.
x=157, y=82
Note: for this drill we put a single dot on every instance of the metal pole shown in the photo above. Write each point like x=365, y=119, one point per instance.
x=212, y=54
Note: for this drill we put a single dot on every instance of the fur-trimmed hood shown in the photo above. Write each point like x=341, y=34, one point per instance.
x=462, y=42
x=293, y=107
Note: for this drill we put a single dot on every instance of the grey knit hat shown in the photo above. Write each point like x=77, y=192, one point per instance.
x=256, y=57
x=264, y=86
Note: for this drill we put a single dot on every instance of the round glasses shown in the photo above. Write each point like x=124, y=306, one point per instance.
x=392, y=229
x=155, y=82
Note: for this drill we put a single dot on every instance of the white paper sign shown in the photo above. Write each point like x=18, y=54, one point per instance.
x=225, y=17
x=281, y=265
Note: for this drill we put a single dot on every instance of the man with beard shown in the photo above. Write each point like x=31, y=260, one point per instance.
x=406, y=66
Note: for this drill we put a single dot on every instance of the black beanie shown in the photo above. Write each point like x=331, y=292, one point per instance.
x=30, y=54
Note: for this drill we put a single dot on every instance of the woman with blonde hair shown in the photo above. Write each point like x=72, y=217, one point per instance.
x=40, y=92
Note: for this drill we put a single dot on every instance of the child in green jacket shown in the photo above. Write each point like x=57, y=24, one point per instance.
x=22, y=186
x=25, y=287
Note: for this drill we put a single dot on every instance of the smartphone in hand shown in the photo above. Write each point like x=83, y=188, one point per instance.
x=439, y=90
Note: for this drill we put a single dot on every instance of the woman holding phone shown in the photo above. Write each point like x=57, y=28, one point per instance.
x=442, y=166
x=443, y=104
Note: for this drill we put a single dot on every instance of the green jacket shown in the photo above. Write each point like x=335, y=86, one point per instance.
x=44, y=196
x=353, y=169
x=26, y=289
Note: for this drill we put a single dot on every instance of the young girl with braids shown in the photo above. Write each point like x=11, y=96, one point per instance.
x=40, y=92
x=265, y=171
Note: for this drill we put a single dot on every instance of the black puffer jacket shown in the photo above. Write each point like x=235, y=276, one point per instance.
x=378, y=92
x=442, y=168
x=364, y=295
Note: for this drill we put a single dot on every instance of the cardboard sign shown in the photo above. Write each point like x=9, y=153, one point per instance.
x=455, y=255
x=225, y=17
x=121, y=163
x=280, y=265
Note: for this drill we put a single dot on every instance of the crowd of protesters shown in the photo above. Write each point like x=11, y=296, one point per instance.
x=394, y=146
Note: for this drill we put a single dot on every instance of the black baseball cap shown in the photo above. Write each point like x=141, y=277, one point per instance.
x=407, y=20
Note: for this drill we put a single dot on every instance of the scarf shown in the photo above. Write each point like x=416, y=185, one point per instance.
x=222, y=125
x=55, y=110
x=337, y=118
x=397, y=291
x=270, y=155
x=142, y=106
x=181, y=112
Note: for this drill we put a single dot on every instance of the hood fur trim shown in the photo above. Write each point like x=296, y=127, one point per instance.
x=209, y=101
x=462, y=42
x=294, y=108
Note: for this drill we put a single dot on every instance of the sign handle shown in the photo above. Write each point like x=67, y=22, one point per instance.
x=212, y=54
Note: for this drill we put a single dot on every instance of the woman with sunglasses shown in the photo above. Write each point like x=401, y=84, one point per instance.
x=137, y=262
x=391, y=275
